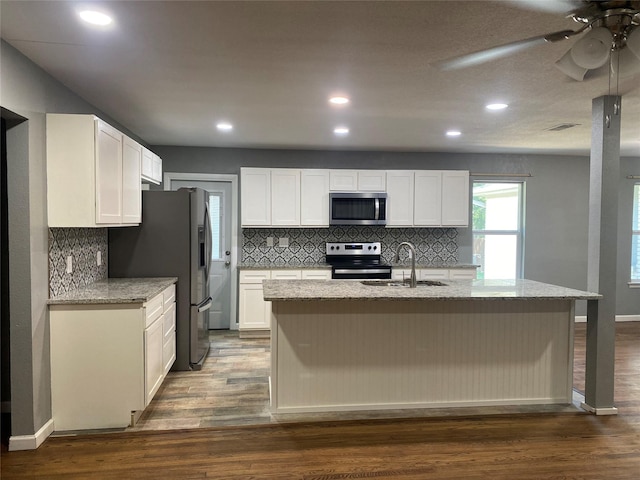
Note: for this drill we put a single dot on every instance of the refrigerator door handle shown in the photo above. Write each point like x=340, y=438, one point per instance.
x=205, y=305
x=208, y=238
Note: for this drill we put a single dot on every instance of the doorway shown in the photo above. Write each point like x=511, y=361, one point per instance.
x=223, y=213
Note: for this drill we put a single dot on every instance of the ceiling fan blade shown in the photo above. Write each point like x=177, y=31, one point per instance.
x=493, y=53
x=550, y=6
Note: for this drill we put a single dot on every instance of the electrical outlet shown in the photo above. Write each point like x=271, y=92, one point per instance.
x=99, y=258
x=69, y=264
x=269, y=241
x=283, y=242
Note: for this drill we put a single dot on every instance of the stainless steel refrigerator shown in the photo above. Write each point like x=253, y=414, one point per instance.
x=174, y=240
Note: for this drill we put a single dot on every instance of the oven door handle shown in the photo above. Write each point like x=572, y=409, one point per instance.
x=360, y=270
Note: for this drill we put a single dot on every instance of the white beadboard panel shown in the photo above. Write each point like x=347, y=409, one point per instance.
x=349, y=355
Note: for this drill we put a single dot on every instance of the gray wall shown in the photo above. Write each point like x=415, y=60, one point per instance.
x=30, y=92
x=556, y=211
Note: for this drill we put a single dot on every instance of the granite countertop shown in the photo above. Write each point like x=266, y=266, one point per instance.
x=288, y=266
x=322, y=266
x=115, y=290
x=283, y=290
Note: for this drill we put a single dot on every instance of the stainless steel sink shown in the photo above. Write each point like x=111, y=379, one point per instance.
x=400, y=283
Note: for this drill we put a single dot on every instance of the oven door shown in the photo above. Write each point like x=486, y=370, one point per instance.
x=361, y=273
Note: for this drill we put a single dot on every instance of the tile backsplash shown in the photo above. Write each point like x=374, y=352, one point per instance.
x=307, y=245
x=83, y=245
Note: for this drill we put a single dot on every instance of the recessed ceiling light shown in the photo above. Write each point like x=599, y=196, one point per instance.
x=339, y=100
x=341, y=131
x=224, y=127
x=95, y=18
x=454, y=133
x=497, y=106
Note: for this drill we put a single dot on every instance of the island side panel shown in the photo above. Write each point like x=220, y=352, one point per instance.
x=352, y=355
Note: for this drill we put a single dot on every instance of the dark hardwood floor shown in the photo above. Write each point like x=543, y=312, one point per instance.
x=567, y=445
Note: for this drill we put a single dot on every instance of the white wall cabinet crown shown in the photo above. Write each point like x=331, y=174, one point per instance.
x=93, y=173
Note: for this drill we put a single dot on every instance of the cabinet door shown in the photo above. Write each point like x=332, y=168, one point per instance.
x=428, y=198
x=455, y=198
x=156, y=169
x=399, y=198
x=154, y=368
x=314, y=198
x=108, y=174
x=343, y=180
x=131, y=186
x=372, y=181
x=285, y=196
x=256, y=197
x=254, y=312
x=169, y=338
x=147, y=164
x=401, y=274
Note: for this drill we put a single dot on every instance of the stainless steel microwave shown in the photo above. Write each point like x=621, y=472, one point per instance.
x=358, y=208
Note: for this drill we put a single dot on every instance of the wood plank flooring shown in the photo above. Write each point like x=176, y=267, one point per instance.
x=566, y=445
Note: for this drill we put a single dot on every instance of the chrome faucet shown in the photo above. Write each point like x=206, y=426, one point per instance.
x=412, y=280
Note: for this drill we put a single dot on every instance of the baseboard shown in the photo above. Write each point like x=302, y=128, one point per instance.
x=31, y=442
x=619, y=318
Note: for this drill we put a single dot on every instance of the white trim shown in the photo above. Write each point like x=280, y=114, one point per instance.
x=634, y=284
x=619, y=318
x=31, y=442
x=599, y=411
x=233, y=179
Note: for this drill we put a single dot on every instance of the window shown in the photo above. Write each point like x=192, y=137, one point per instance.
x=635, y=236
x=215, y=213
x=497, y=229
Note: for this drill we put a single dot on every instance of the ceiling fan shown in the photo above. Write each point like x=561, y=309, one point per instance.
x=606, y=27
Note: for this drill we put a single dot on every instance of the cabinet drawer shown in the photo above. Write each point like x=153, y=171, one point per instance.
x=316, y=274
x=153, y=309
x=254, y=276
x=286, y=275
x=433, y=274
x=169, y=296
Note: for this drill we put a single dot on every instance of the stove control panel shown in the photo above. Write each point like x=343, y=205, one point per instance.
x=353, y=248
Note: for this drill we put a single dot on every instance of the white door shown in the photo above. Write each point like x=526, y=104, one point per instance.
x=220, y=278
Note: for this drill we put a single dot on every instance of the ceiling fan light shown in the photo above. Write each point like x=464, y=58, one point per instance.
x=567, y=66
x=633, y=41
x=593, y=49
x=627, y=65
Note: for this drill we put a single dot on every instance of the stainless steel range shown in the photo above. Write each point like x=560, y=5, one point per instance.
x=356, y=260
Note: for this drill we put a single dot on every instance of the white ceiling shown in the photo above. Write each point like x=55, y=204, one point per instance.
x=170, y=70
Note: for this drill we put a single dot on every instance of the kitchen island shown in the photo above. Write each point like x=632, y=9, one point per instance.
x=349, y=345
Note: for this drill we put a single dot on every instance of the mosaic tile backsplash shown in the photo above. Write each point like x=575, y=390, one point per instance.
x=307, y=245
x=83, y=245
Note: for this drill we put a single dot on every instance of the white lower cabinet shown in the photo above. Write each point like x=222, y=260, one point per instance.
x=254, y=313
x=108, y=360
x=435, y=273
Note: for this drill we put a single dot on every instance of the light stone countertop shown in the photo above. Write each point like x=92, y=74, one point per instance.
x=326, y=266
x=293, y=290
x=115, y=290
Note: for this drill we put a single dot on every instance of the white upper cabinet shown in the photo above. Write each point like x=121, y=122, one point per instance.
x=455, y=198
x=357, y=180
x=255, y=185
x=343, y=180
x=151, y=167
x=427, y=198
x=89, y=183
x=131, y=192
x=285, y=197
x=399, y=198
x=314, y=198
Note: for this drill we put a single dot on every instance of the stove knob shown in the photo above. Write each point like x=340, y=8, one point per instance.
x=338, y=247
x=375, y=247
x=332, y=247
x=369, y=247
